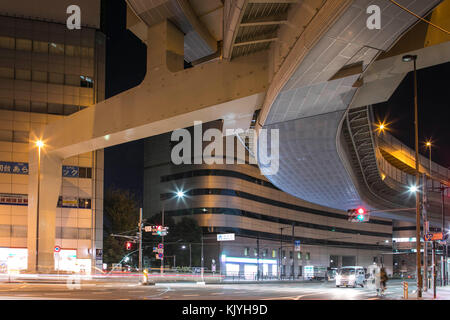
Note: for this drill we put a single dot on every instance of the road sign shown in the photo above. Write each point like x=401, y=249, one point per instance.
x=297, y=245
x=160, y=246
x=160, y=255
x=434, y=236
x=160, y=250
x=225, y=237
x=57, y=248
x=428, y=237
x=148, y=228
x=155, y=249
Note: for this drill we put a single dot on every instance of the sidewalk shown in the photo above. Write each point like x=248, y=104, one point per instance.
x=442, y=293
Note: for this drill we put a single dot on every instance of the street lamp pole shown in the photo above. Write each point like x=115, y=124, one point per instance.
x=40, y=144
x=413, y=58
x=162, y=237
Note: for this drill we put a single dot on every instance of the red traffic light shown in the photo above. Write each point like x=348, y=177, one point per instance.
x=128, y=245
x=361, y=211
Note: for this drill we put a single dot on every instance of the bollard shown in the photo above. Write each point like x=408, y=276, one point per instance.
x=405, y=290
x=145, y=274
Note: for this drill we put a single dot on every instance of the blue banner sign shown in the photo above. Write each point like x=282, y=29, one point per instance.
x=22, y=168
x=13, y=167
x=70, y=171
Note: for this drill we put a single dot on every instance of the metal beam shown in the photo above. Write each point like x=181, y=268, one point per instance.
x=244, y=43
x=264, y=21
x=273, y=1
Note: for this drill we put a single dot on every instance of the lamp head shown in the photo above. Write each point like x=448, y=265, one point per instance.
x=409, y=57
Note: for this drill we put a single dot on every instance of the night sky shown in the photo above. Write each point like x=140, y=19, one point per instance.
x=126, y=66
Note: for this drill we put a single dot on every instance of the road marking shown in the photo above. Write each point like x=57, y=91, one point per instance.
x=190, y=295
x=216, y=293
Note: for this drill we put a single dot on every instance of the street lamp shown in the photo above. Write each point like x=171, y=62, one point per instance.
x=190, y=253
x=409, y=58
x=180, y=194
x=40, y=145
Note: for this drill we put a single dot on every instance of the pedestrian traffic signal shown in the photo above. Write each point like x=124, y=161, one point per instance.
x=358, y=215
x=128, y=245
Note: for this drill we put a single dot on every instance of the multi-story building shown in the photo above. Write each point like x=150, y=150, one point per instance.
x=237, y=199
x=47, y=72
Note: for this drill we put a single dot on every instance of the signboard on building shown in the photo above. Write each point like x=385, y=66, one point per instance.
x=98, y=254
x=225, y=237
x=297, y=245
x=14, y=199
x=70, y=171
x=13, y=167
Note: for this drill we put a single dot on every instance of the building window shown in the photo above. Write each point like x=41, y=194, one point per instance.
x=38, y=107
x=246, y=251
x=21, y=136
x=56, y=48
x=57, y=78
x=84, y=203
x=274, y=253
x=265, y=252
x=23, y=44
x=85, y=173
x=7, y=43
x=40, y=76
x=23, y=74
x=6, y=73
x=22, y=105
x=308, y=256
x=291, y=255
x=55, y=108
x=299, y=255
x=40, y=46
x=255, y=252
x=86, y=82
x=73, y=51
x=283, y=254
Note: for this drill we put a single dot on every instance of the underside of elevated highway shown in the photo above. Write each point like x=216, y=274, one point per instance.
x=312, y=67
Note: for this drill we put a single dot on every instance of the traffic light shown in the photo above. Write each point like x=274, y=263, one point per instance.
x=358, y=215
x=128, y=245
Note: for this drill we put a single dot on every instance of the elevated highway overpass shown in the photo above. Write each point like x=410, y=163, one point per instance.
x=306, y=64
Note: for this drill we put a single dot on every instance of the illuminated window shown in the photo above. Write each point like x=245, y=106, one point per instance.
x=23, y=74
x=6, y=73
x=7, y=43
x=40, y=46
x=23, y=44
x=299, y=255
x=308, y=256
x=56, y=48
x=246, y=251
x=274, y=253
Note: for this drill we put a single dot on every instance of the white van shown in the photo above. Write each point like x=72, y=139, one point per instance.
x=350, y=276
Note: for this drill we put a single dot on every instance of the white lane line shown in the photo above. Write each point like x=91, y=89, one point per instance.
x=217, y=293
x=190, y=295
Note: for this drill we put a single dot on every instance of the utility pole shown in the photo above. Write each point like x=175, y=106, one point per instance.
x=201, y=269
x=444, y=246
x=140, y=240
x=162, y=238
x=281, y=251
x=257, y=257
x=293, y=248
x=425, y=231
x=408, y=58
x=434, y=268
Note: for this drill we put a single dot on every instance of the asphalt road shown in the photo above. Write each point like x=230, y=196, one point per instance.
x=104, y=290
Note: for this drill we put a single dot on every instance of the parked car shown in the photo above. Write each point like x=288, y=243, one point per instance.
x=351, y=276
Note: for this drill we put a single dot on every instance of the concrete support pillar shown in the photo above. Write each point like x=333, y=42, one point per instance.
x=50, y=186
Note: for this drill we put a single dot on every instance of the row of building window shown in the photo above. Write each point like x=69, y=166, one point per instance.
x=268, y=218
x=46, y=77
x=276, y=203
x=217, y=172
x=265, y=253
x=39, y=107
x=17, y=231
x=63, y=202
x=45, y=47
x=304, y=241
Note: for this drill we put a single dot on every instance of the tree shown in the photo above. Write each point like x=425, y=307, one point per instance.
x=121, y=215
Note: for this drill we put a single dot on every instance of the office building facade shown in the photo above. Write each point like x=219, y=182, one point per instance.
x=265, y=223
x=47, y=72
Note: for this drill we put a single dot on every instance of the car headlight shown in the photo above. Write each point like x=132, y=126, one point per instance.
x=352, y=277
